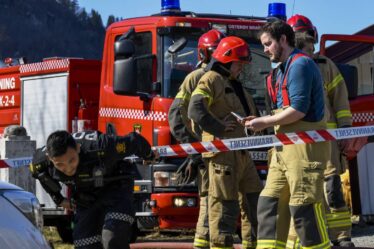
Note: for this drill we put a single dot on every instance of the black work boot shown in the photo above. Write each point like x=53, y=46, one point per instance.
x=344, y=243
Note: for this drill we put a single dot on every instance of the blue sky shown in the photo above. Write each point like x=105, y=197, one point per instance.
x=329, y=16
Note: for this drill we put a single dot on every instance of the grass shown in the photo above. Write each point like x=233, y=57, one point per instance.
x=52, y=236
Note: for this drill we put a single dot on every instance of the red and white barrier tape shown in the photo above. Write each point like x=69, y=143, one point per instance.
x=243, y=143
x=304, y=137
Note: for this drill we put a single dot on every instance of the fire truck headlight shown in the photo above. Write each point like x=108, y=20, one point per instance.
x=179, y=202
x=152, y=203
x=164, y=179
x=191, y=202
x=184, y=202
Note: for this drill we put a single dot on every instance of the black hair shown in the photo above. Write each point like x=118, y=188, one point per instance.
x=58, y=143
x=277, y=29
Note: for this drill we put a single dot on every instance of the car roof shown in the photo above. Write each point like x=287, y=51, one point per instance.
x=6, y=185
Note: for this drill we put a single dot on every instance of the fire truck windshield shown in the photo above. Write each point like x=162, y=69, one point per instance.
x=176, y=66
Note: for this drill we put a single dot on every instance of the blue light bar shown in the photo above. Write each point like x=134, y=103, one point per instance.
x=277, y=10
x=170, y=5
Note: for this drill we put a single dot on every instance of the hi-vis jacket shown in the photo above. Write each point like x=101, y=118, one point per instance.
x=180, y=124
x=212, y=102
x=334, y=84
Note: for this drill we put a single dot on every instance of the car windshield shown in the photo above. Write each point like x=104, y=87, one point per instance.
x=176, y=66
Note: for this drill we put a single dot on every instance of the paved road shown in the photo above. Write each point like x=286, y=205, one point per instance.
x=362, y=236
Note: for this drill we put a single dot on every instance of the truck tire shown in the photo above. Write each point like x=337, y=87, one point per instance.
x=66, y=232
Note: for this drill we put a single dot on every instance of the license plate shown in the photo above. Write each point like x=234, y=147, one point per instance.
x=259, y=155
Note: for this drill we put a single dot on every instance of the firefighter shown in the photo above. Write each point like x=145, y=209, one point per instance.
x=339, y=116
x=182, y=129
x=217, y=94
x=294, y=185
x=91, y=163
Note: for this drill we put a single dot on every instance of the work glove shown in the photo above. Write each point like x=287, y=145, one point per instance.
x=39, y=162
x=188, y=170
x=351, y=147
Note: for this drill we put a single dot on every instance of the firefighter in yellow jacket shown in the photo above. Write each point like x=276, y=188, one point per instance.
x=180, y=127
x=339, y=116
x=217, y=94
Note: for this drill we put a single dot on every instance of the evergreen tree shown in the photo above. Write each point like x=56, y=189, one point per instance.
x=111, y=19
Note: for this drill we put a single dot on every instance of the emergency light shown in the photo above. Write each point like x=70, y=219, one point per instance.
x=277, y=10
x=170, y=5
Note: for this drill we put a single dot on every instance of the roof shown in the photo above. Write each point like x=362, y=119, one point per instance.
x=343, y=52
x=6, y=185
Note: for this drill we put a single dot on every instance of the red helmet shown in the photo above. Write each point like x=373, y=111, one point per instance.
x=208, y=42
x=231, y=49
x=300, y=23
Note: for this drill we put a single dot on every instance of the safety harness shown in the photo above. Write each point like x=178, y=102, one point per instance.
x=273, y=86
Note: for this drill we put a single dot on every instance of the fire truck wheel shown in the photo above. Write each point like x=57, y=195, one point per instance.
x=66, y=232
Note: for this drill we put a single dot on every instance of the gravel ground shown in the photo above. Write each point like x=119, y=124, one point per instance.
x=363, y=235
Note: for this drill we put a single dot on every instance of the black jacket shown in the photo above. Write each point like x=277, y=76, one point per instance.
x=98, y=152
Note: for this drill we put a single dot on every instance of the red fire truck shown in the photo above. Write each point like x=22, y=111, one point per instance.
x=145, y=60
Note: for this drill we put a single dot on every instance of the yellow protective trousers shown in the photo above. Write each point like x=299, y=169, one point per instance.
x=294, y=188
x=338, y=216
x=231, y=173
x=202, y=227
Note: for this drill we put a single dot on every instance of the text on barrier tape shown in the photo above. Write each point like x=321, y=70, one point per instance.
x=303, y=137
x=15, y=162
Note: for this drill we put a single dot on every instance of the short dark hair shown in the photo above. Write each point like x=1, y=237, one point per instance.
x=58, y=143
x=277, y=29
x=302, y=38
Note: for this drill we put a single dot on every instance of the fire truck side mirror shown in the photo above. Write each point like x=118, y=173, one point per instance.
x=125, y=68
x=178, y=45
x=124, y=48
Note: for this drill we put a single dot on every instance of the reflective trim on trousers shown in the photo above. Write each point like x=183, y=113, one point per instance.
x=339, y=219
x=321, y=222
x=274, y=244
x=325, y=245
x=248, y=244
x=291, y=244
x=87, y=241
x=119, y=216
x=200, y=243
